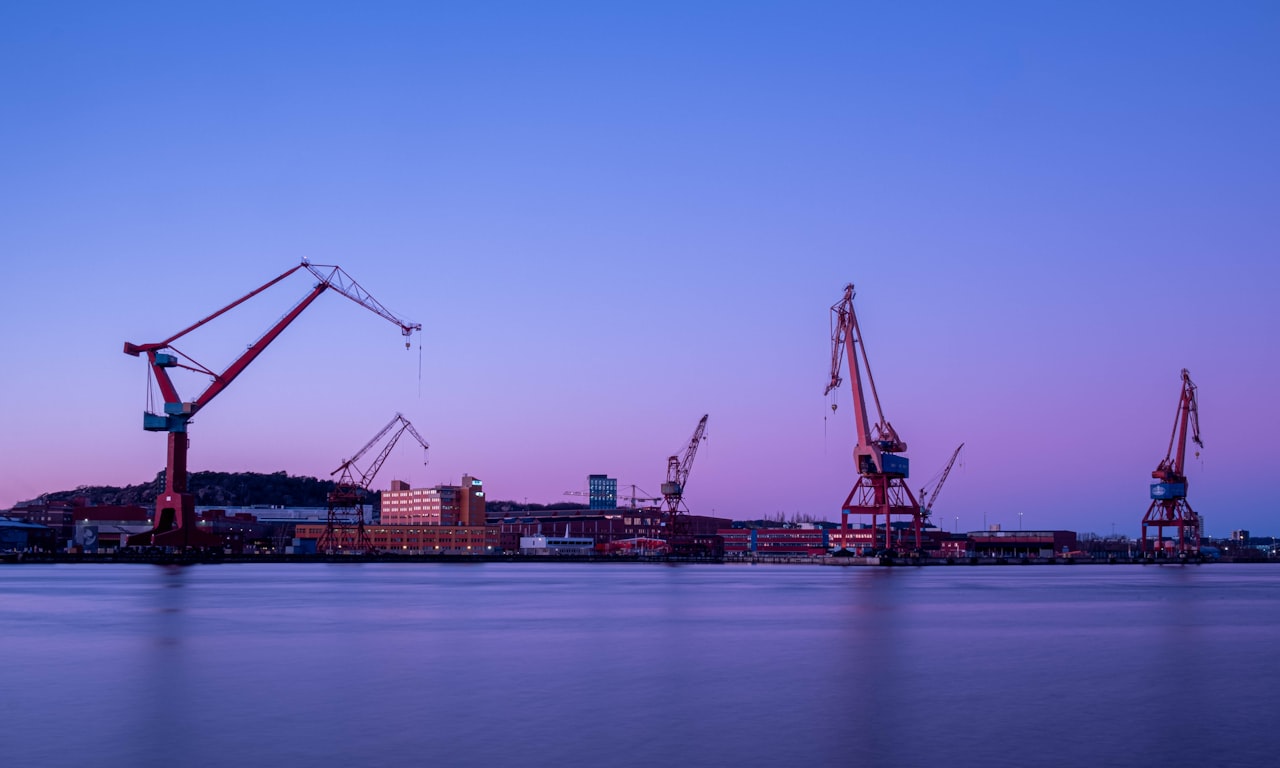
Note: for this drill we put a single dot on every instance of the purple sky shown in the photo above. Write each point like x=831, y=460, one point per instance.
x=611, y=218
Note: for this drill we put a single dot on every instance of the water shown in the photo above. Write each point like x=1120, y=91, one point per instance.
x=631, y=665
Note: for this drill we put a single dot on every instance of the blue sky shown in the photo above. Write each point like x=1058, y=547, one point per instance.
x=613, y=218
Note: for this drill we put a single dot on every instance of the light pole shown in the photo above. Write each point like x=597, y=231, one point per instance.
x=957, y=530
x=1019, y=521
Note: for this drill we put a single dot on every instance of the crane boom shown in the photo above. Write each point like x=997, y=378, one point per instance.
x=344, y=284
x=1188, y=411
x=680, y=465
x=367, y=476
x=873, y=440
x=927, y=507
x=161, y=361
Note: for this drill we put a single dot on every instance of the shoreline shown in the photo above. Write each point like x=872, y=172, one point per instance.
x=29, y=558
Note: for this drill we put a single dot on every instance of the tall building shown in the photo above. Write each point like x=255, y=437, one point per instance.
x=442, y=505
x=602, y=491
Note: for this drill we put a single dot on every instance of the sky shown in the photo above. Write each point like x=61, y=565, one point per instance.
x=613, y=218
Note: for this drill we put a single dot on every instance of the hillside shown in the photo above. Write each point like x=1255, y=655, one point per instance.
x=232, y=489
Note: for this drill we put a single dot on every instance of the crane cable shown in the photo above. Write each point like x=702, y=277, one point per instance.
x=150, y=392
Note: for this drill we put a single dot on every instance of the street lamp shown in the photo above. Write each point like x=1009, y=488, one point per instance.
x=1019, y=521
x=957, y=524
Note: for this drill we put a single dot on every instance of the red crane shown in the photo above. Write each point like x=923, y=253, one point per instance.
x=1169, y=507
x=678, y=468
x=881, y=489
x=348, y=495
x=175, y=518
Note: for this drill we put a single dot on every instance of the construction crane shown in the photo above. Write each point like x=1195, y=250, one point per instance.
x=881, y=490
x=633, y=498
x=678, y=468
x=346, y=500
x=926, y=509
x=1169, y=507
x=175, y=516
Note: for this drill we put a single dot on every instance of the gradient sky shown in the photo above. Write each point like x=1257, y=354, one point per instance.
x=612, y=218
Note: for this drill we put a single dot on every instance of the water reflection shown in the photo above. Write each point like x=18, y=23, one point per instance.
x=634, y=665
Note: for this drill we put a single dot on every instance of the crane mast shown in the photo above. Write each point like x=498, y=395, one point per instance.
x=346, y=500
x=175, y=517
x=881, y=490
x=1169, y=507
x=678, y=469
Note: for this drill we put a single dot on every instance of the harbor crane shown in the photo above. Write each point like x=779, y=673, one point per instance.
x=678, y=468
x=175, y=516
x=346, y=500
x=1169, y=507
x=881, y=489
x=926, y=509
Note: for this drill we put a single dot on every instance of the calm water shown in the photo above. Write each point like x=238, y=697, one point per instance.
x=502, y=664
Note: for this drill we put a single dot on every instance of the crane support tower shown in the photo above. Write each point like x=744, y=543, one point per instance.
x=679, y=538
x=346, y=500
x=175, y=516
x=1169, y=507
x=881, y=490
x=927, y=507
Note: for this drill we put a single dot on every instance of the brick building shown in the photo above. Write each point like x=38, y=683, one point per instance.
x=775, y=542
x=615, y=526
x=411, y=539
x=442, y=505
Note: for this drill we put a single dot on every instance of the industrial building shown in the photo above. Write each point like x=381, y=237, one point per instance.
x=442, y=505
x=405, y=539
x=21, y=536
x=1038, y=544
x=901, y=537
x=775, y=542
x=557, y=545
x=616, y=526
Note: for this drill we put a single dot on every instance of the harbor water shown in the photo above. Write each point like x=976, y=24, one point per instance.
x=457, y=664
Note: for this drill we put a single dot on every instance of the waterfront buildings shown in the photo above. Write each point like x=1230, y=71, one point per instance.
x=611, y=528
x=1042, y=544
x=442, y=505
x=408, y=539
x=775, y=542
x=77, y=523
